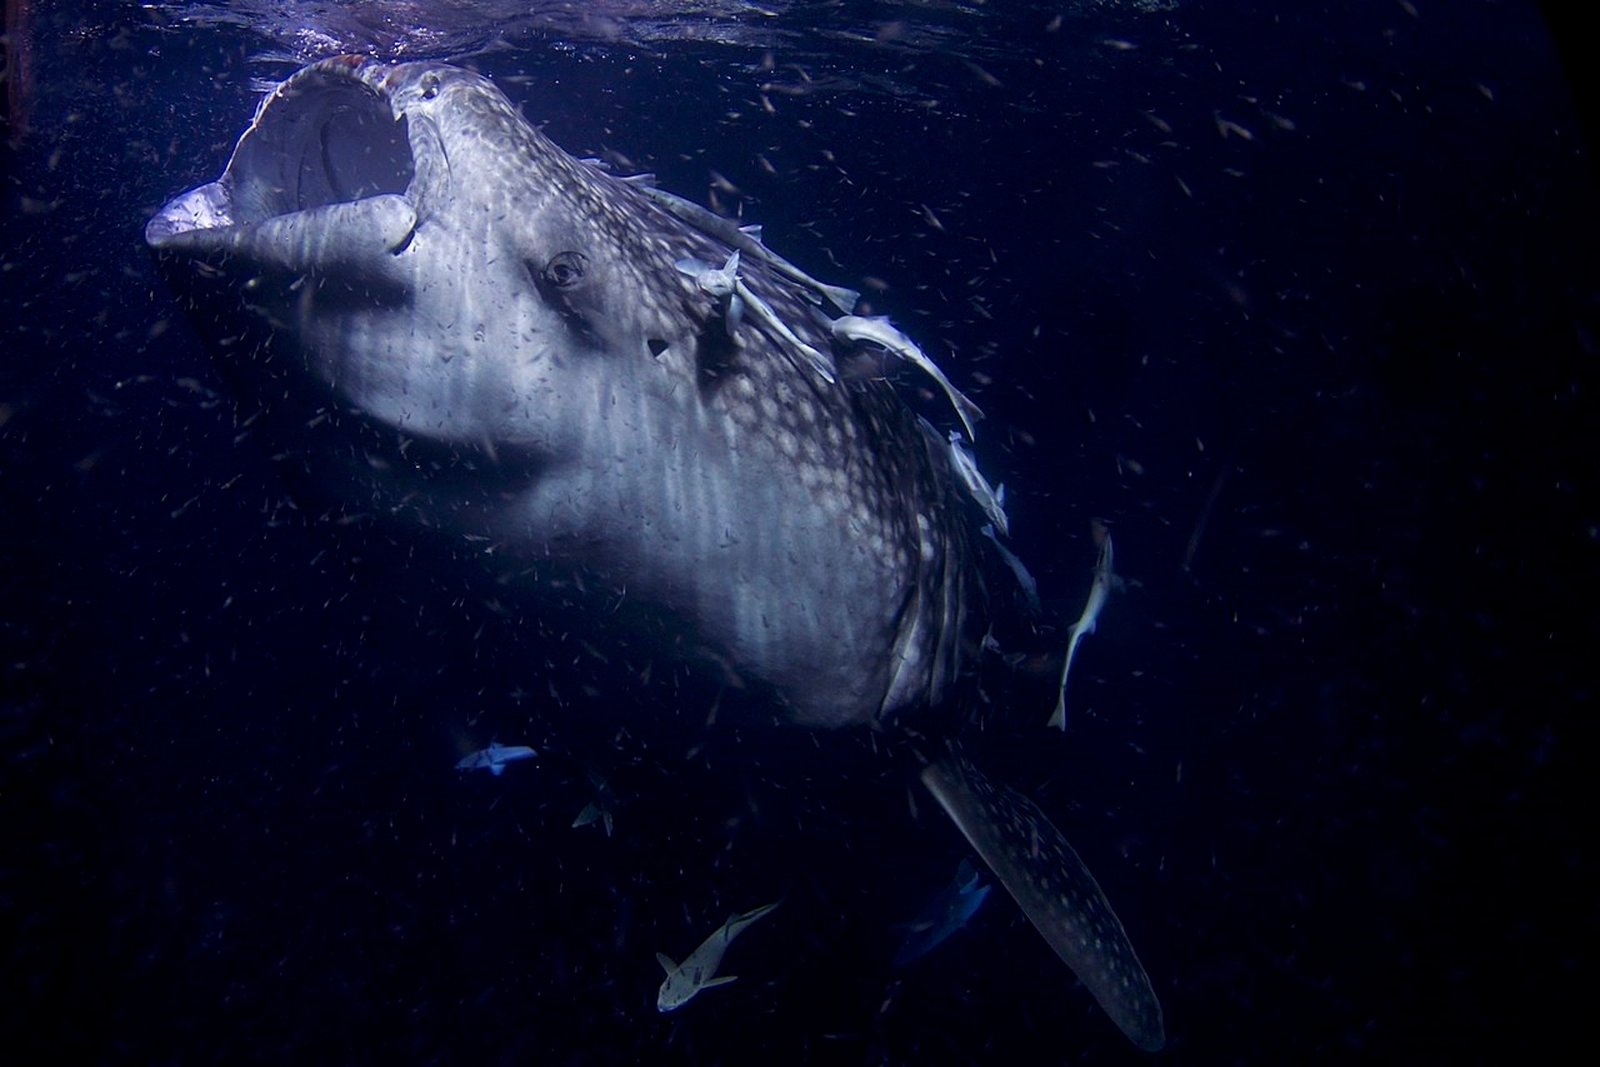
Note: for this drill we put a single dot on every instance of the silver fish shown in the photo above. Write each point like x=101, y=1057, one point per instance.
x=699, y=969
x=990, y=499
x=941, y=917
x=1099, y=592
x=878, y=330
x=494, y=758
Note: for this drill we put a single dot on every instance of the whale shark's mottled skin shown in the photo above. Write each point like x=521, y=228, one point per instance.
x=454, y=322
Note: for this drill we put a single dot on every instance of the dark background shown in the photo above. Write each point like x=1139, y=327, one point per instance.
x=1325, y=748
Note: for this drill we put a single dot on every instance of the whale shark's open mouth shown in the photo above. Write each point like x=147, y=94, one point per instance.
x=325, y=137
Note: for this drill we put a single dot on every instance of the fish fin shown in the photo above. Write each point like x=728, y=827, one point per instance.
x=712, y=983
x=966, y=876
x=842, y=297
x=497, y=769
x=1058, y=718
x=666, y=962
x=1055, y=890
x=968, y=412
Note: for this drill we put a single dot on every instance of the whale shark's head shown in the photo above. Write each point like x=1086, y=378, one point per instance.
x=395, y=246
x=449, y=271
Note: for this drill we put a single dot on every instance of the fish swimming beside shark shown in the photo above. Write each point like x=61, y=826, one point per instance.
x=495, y=758
x=1100, y=587
x=448, y=321
x=699, y=969
x=942, y=916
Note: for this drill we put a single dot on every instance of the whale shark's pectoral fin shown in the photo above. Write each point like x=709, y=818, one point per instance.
x=666, y=962
x=359, y=236
x=1056, y=891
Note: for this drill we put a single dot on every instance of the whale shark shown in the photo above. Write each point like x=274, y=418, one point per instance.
x=455, y=325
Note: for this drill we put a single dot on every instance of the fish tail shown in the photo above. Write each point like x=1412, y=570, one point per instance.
x=840, y=297
x=1060, y=897
x=1059, y=717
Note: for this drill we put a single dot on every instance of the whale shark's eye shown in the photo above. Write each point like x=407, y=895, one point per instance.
x=565, y=270
x=430, y=86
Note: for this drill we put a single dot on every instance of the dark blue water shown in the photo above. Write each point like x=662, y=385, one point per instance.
x=1301, y=303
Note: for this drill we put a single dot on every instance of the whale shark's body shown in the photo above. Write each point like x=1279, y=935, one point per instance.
x=473, y=331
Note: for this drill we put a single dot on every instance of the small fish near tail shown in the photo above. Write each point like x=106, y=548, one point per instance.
x=1060, y=897
x=1105, y=579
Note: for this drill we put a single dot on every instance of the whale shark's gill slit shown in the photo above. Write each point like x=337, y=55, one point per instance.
x=1055, y=890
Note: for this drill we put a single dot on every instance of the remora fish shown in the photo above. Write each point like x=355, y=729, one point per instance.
x=494, y=758
x=1099, y=593
x=942, y=916
x=454, y=322
x=699, y=970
